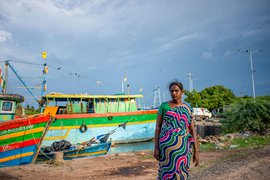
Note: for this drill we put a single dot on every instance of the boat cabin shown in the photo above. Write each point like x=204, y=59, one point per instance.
x=8, y=105
x=83, y=103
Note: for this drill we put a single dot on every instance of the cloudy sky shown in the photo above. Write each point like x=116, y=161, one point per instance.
x=149, y=42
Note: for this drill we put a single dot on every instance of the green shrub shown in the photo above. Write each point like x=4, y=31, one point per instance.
x=31, y=110
x=247, y=115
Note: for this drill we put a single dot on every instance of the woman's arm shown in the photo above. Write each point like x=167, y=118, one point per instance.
x=157, y=132
x=196, y=150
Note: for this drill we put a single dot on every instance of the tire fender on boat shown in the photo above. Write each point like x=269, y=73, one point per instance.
x=110, y=117
x=83, y=128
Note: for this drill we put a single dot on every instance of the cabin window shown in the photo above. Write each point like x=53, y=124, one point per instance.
x=91, y=107
x=7, y=106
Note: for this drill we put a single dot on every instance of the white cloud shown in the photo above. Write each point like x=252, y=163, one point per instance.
x=77, y=18
x=121, y=56
x=173, y=42
x=226, y=54
x=207, y=55
x=4, y=36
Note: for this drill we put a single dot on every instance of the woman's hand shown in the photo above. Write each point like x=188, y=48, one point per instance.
x=196, y=158
x=156, y=154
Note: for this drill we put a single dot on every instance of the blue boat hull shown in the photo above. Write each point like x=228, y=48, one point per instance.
x=132, y=133
x=90, y=151
x=19, y=156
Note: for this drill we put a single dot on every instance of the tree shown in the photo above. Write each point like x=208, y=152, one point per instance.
x=216, y=97
x=211, y=97
x=247, y=115
x=31, y=110
x=193, y=98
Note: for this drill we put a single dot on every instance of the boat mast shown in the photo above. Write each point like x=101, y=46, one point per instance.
x=11, y=67
x=6, y=79
x=43, y=84
x=45, y=71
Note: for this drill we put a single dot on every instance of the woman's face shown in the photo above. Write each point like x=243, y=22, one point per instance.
x=176, y=92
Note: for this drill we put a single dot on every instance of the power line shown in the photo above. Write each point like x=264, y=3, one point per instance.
x=65, y=71
x=82, y=76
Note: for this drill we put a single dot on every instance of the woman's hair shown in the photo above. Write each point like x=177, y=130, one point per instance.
x=177, y=83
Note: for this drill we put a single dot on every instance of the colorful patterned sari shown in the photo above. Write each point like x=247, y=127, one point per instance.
x=175, y=144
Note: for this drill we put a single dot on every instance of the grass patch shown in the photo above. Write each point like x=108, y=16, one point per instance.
x=207, y=147
x=251, y=142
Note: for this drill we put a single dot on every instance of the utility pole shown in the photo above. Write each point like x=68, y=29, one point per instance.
x=124, y=81
x=252, y=69
x=140, y=99
x=156, y=98
x=190, y=82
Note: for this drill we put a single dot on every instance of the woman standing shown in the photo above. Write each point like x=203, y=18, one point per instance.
x=174, y=136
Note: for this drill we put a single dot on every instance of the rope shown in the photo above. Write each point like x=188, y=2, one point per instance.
x=77, y=153
x=45, y=131
x=40, y=140
x=23, y=62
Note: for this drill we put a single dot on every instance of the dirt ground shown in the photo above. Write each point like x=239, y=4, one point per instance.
x=221, y=164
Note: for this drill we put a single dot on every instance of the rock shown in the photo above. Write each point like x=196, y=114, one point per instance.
x=232, y=136
x=246, y=134
x=221, y=145
x=203, y=141
x=267, y=132
x=58, y=157
x=229, y=137
x=142, y=153
x=207, y=138
x=221, y=138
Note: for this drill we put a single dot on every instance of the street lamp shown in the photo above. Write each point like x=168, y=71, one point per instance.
x=252, y=69
x=124, y=81
x=190, y=80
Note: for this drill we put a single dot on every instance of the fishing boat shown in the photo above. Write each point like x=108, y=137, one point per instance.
x=85, y=149
x=82, y=116
x=20, y=138
x=96, y=146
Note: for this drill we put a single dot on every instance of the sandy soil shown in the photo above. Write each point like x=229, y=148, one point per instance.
x=222, y=164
